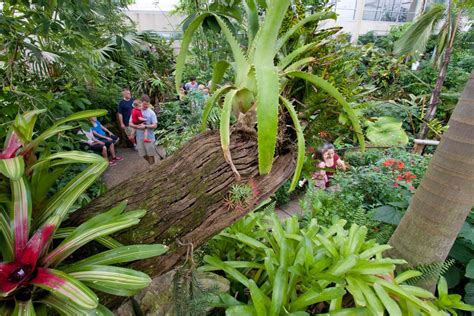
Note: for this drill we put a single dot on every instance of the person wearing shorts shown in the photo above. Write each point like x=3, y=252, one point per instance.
x=147, y=150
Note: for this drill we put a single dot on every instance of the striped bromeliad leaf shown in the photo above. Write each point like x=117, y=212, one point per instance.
x=12, y=168
x=21, y=213
x=24, y=308
x=120, y=255
x=111, y=279
x=6, y=240
x=82, y=235
x=67, y=308
x=106, y=241
x=64, y=286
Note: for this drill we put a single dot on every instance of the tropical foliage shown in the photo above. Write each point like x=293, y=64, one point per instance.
x=282, y=269
x=260, y=82
x=35, y=273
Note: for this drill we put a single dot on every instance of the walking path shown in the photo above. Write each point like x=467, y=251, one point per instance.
x=131, y=163
x=289, y=209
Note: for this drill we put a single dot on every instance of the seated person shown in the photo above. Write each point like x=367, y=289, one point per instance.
x=100, y=146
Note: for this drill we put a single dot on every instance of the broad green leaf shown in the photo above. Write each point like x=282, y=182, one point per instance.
x=234, y=273
x=406, y=275
x=354, y=311
x=259, y=299
x=386, y=131
x=219, y=69
x=120, y=255
x=390, y=305
x=311, y=297
x=234, y=264
x=111, y=277
x=240, y=310
x=80, y=116
x=373, y=302
x=301, y=143
x=297, y=65
x=332, y=91
x=25, y=126
x=252, y=19
x=210, y=103
x=24, y=308
x=21, y=213
x=225, y=128
x=50, y=132
x=470, y=269
x=12, y=168
x=119, y=291
x=279, y=292
x=65, y=287
x=267, y=115
x=185, y=42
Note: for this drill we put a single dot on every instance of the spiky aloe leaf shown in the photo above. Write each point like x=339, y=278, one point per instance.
x=24, y=308
x=89, y=231
x=242, y=66
x=7, y=241
x=297, y=65
x=185, y=42
x=218, y=72
x=65, y=287
x=332, y=91
x=418, y=34
x=267, y=115
x=120, y=255
x=210, y=103
x=111, y=278
x=252, y=19
x=225, y=129
x=21, y=213
x=62, y=201
x=294, y=54
x=300, y=139
x=12, y=168
x=310, y=18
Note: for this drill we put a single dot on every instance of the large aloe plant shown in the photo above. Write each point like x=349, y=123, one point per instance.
x=261, y=74
x=34, y=272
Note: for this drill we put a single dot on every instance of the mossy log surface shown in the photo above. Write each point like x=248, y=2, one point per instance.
x=185, y=195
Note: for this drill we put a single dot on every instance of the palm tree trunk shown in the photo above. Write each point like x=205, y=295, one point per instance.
x=445, y=196
x=435, y=95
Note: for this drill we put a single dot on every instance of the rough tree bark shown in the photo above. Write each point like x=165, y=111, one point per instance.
x=445, y=196
x=435, y=95
x=184, y=196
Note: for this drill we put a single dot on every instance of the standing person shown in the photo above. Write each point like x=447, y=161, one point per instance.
x=328, y=160
x=191, y=85
x=146, y=150
x=124, y=110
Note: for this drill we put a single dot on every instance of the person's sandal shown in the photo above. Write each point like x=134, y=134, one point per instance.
x=112, y=163
x=147, y=141
x=117, y=158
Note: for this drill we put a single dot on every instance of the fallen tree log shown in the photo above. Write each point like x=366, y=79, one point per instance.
x=185, y=194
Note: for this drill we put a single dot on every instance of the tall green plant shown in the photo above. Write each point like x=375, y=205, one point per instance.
x=260, y=80
x=34, y=272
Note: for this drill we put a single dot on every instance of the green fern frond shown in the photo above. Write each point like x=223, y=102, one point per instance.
x=431, y=271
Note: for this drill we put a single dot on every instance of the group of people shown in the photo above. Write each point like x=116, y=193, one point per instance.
x=192, y=86
x=328, y=163
x=137, y=120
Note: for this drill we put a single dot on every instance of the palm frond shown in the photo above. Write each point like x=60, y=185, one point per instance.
x=417, y=35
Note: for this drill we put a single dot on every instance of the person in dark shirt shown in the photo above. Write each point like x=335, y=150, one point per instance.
x=124, y=110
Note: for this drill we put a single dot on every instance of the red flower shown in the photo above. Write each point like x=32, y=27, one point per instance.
x=395, y=184
x=399, y=177
x=23, y=271
x=400, y=165
x=389, y=162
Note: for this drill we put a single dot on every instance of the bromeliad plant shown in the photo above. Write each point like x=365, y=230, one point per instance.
x=281, y=269
x=261, y=75
x=35, y=274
